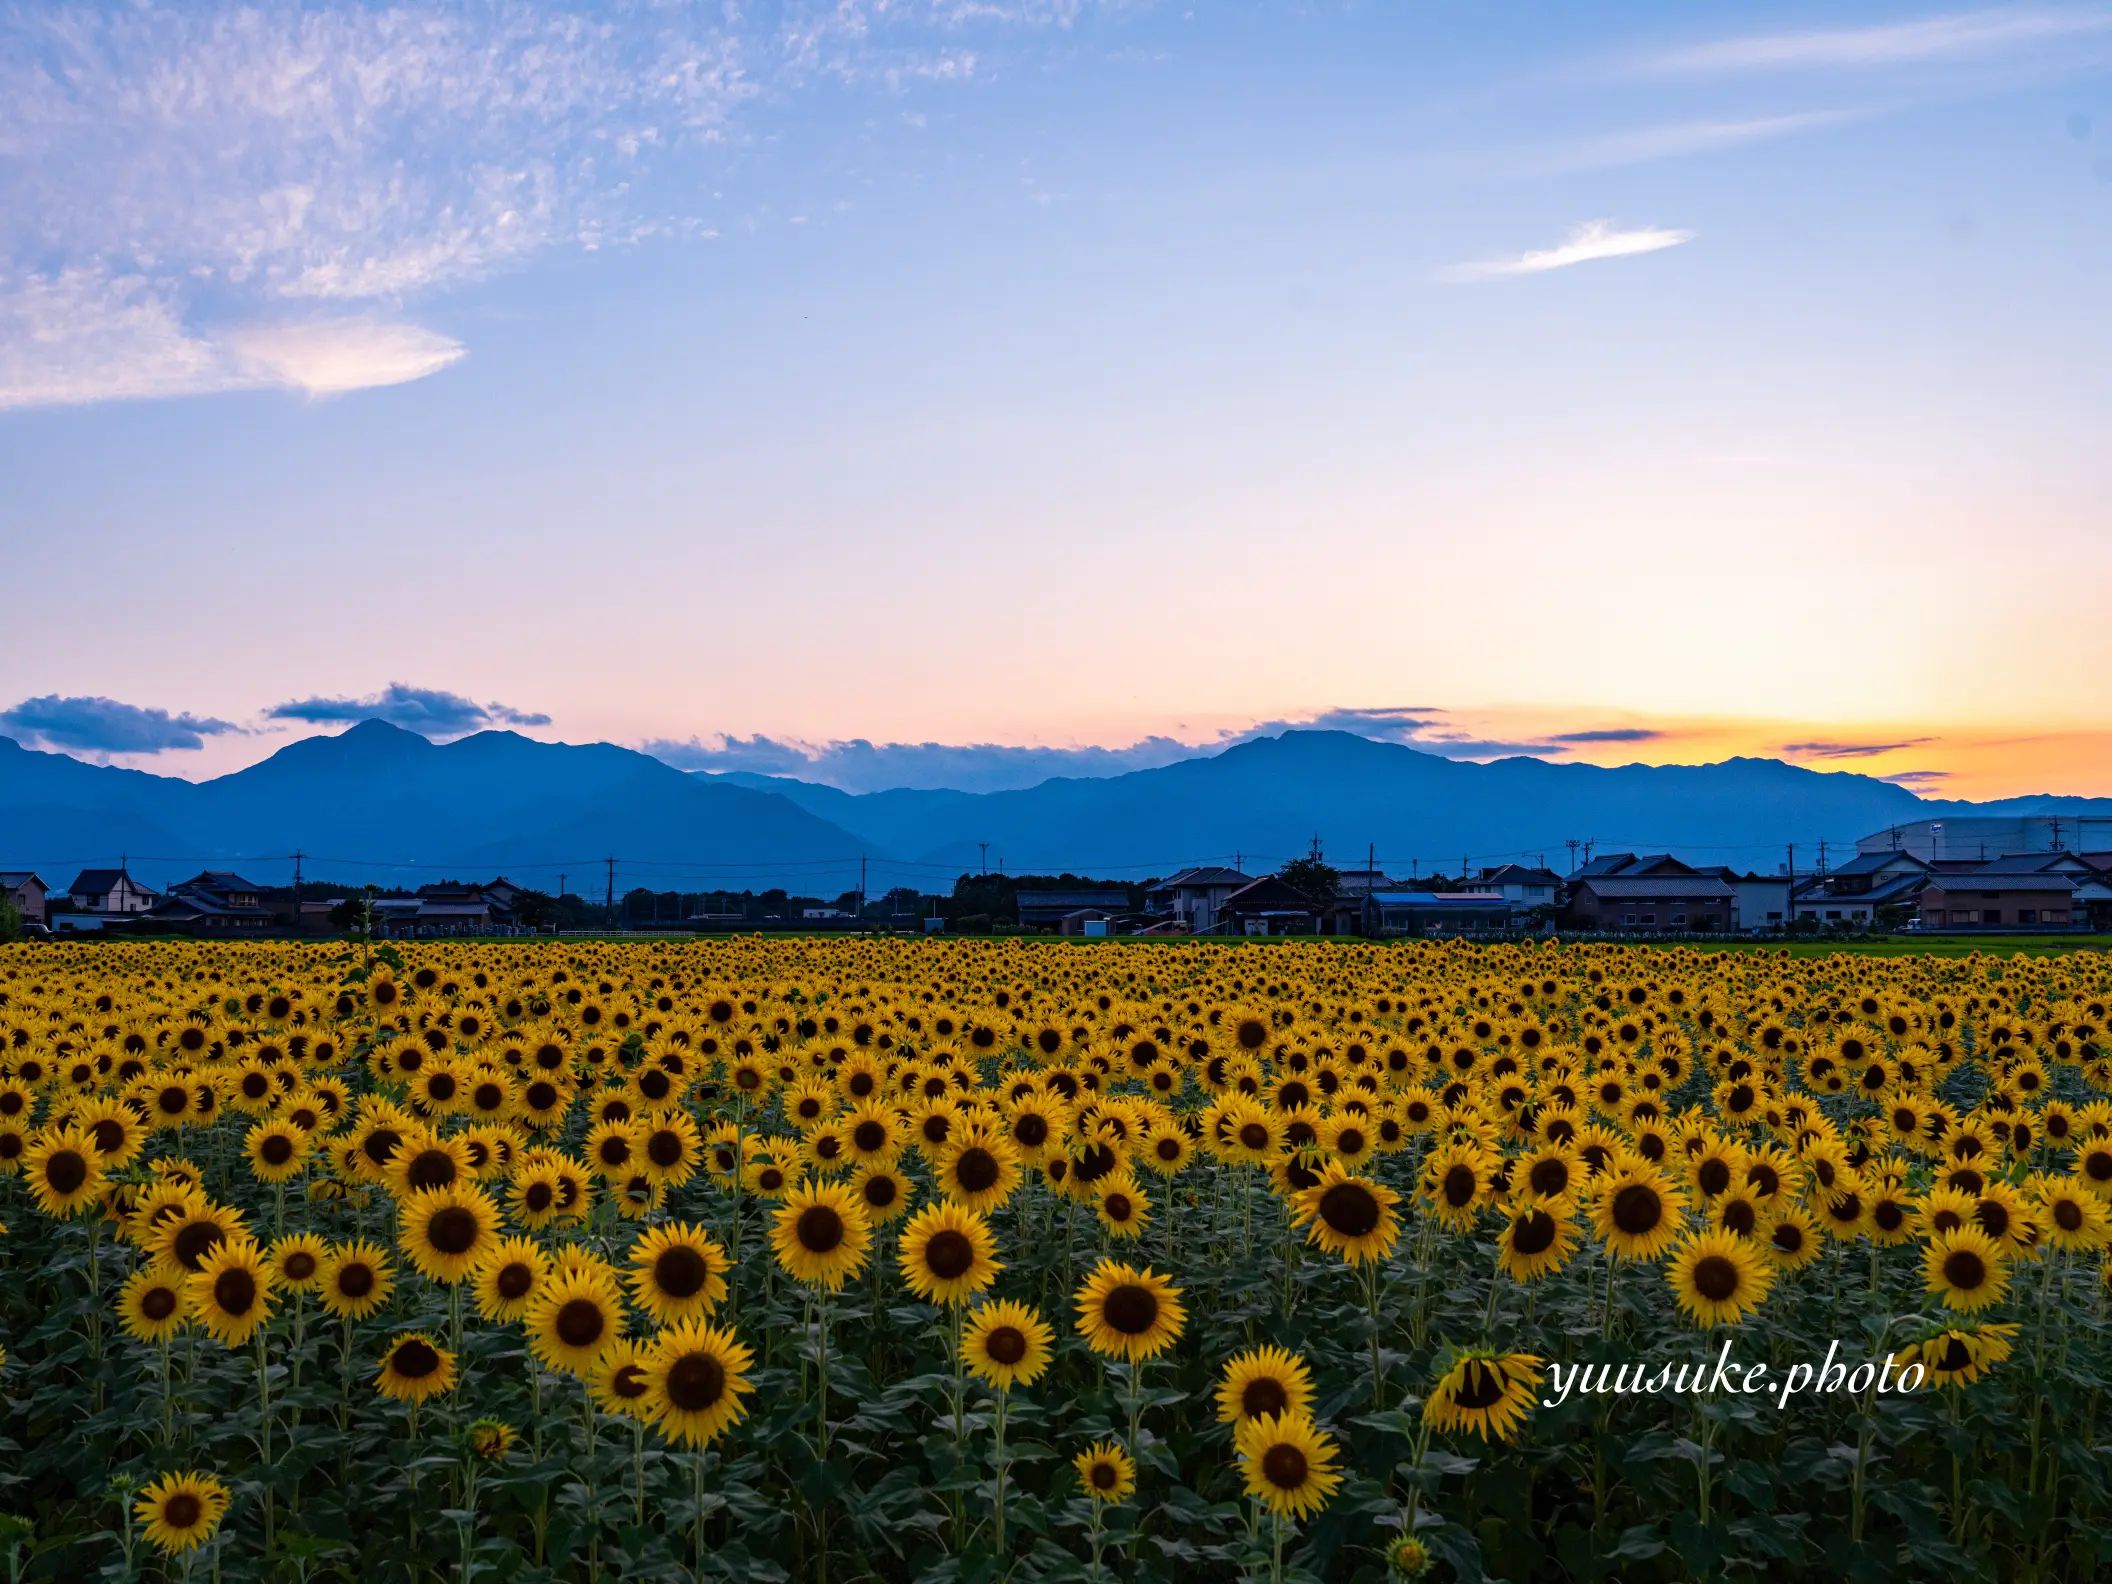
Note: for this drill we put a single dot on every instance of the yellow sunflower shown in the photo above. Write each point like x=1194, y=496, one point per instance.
x=1637, y=1213
x=152, y=1305
x=696, y=1375
x=1263, y=1381
x=65, y=1171
x=1007, y=1344
x=1967, y=1267
x=1347, y=1215
x=1287, y=1463
x=231, y=1294
x=1127, y=1313
x=618, y=1379
x=1718, y=1278
x=1106, y=1471
x=506, y=1278
x=179, y=1512
x=357, y=1280
x=446, y=1231
x=978, y=1169
x=297, y=1261
x=572, y=1317
x=948, y=1254
x=1486, y=1392
x=1960, y=1355
x=820, y=1234
x=415, y=1368
x=678, y=1272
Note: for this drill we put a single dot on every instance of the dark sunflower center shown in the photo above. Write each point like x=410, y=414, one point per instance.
x=1131, y=1310
x=1535, y=1234
x=949, y=1255
x=1252, y=1033
x=880, y=1192
x=580, y=1323
x=1480, y=1387
x=1350, y=1209
x=1106, y=1476
x=235, y=1291
x=1262, y=1396
x=1550, y=1176
x=381, y=1144
x=415, y=1360
x=157, y=1303
x=1738, y=1217
x=539, y=1197
x=819, y=1228
x=681, y=1271
x=1031, y=1130
x=663, y=1147
x=109, y=1136
x=298, y=1265
x=1254, y=1136
x=1964, y=1270
x=194, y=1242
x=1715, y=1277
x=1006, y=1345
x=976, y=1170
x=1956, y=1355
x=453, y=1230
x=869, y=1135
x=1284, y=1466
x=1460, y=1185
x=695, y=1382
x=1714, y=1176
x=181, y=1511
x=2068, y=1215
x=628, y=1382
x=1349, y=1142
x=66, y=1170
x=1637, y=1209
x=355, y=1281
x=431, y=1168
x=276, y=1150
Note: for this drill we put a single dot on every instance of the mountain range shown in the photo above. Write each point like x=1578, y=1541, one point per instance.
x=377, y=802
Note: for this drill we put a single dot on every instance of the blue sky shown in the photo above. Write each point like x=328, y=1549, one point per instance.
x=1062, y=374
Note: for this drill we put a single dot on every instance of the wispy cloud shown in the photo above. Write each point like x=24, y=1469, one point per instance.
x=431, y=712
x=1609, y=734
x=1918, y=780
x=211, y=196
x=1594, y=239
x=1673, y=140
x=101, y=726
x=85, y=335
x=1840, y=750
x=1957, y=34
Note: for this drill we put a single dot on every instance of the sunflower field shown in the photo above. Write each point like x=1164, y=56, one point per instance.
x=767, y=1259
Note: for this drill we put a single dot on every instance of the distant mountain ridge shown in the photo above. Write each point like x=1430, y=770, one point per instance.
x=377, y=802
x=1265, y=799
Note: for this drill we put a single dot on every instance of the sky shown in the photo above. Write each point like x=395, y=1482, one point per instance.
x=936, y=392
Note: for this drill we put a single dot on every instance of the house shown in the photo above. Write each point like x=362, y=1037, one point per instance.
x=1270, y=906
x=2012, y=901
x=108, y=891
x=27, y=892
x=2093, y=889
x=1650, y=902
x=1759, y=902
x=1524, y=888
x=215, y=902
x=1193, y=896
x=1862, y=891
x=1044, y=908
x=1440, y=912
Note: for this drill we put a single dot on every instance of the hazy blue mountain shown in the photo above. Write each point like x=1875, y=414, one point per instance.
x=383, y=803
x=1265, y=800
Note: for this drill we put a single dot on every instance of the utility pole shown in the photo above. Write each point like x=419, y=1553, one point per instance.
x=986, y=856
x=1789, y=908
x=861, y=886
x=1822, y=860
x=610, y=901
x=297, y=855
x=1571, y=844
x=1315, y=854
